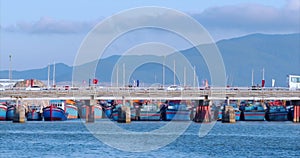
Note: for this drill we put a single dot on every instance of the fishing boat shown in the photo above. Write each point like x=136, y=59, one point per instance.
x=3, y=109
x=236, y=110
x=115, y=112
x=276, y=111
x=145, y=111
x=107, y=108
x=97, y=109
x=177, y=110
x=10, y=113
x=290, y=110
x=55, y=111
x=253, y=112
x=71, y=109
x=116, y=109
x=34, y=113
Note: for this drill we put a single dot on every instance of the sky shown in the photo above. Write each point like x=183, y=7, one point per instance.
x=36, y=33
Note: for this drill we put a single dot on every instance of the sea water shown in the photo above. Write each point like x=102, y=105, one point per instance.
x=73, y=139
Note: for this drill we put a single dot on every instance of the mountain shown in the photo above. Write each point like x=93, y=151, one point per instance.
x=279, y=55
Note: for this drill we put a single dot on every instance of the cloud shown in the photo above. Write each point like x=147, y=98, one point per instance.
x=252, y=18
x=50, y=25
x=293, y=5
x=225, y=20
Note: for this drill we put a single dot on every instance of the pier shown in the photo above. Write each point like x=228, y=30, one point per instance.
x=119, y=93
x=202, y=98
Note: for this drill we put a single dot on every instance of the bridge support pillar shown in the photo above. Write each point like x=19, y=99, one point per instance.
x=296, y=118
x=19, y=112
x=203, y=111
x=228, y=115
x=124, y=113
x=90, y=113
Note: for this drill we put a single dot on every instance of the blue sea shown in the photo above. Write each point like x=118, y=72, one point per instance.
x=78, y=139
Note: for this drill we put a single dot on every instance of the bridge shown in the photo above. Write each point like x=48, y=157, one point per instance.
x=140, y=93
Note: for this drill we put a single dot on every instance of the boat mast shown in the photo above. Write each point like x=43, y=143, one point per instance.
x=48, y=80
x=194, y=77
x=184, y=76
x=174, y=79
x=124, y=75
x=117, y=75
x=163, y=68
x=53, y=74
x=263, y=73
x=252, y=78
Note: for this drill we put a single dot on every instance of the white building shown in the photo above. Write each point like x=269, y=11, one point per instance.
x=9, y=82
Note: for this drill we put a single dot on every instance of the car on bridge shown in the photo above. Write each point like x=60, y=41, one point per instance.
x=175, y=88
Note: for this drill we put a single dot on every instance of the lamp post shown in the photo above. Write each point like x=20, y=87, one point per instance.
x=10, y=73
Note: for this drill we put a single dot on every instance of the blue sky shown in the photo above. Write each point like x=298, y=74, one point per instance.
x=37, y=32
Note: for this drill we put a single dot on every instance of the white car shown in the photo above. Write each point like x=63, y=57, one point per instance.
x=174, y=88
x=33, y=88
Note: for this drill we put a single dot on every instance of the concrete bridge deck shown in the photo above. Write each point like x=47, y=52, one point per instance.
x=155, y=94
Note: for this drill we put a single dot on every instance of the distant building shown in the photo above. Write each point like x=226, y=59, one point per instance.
x=9, y=82
x=293, y=82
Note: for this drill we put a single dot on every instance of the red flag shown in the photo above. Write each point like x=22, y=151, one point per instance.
x=95, y=81
x=262, y=83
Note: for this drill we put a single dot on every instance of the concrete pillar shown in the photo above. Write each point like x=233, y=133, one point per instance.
x=124, y=114
x=19, y=113
x=296, y=104
x=90, y=113
x=227, y=100
x=203, y=111
x=228, y=115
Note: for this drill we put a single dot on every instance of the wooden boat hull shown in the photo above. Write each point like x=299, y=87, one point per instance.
x=3, y=110
x=54, y=114
x=34, y=116
x=10, y=113
x=178, y=115
x=72, y=111
x=97, y=112
x=254, y=115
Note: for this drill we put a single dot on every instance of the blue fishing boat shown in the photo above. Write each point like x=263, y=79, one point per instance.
x=98, y=112
x=177, y=110
x=34, y=113
x=3, y=110
x=97, y=109
x=290, y=110
x=236, y=110
x=71, y=109
x=107, y=107
x=254, y=112
x=276, y=111
x=10, y=112
x=146, y=111
x=115, y=112
x=55, y=111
